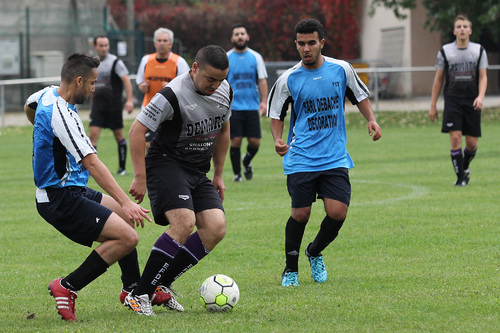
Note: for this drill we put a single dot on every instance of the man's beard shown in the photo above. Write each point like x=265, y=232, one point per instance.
x=240, y=47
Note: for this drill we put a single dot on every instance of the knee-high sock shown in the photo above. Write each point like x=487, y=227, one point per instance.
x=162, y=254
x=251, y=152
x=468, y=157
x=122, y=153
x=327, y=233
x=294, y=231
x=130, y=270
x=235, y=155
x=93, y=267
x=189, y=255
x=458, y=161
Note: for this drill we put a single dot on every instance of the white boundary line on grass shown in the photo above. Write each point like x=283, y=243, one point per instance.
x=414, y=191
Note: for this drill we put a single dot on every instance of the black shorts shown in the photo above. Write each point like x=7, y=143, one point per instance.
x=172, y=186
x=333, y=184
x=245, y=124
x=75, y=211
x=106, y=119
x=459, y=115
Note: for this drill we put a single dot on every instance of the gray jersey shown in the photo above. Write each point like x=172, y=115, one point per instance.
x=187, y=123
x=109, y=85
x=462, y=68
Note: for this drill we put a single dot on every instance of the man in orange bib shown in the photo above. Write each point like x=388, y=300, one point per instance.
x=158, y=69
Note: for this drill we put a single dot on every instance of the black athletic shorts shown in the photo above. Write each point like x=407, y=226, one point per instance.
x=333, y=184
x=106, y=119
x=75, y=211
x=172, y=186
x=245, y=124
x=459, y=115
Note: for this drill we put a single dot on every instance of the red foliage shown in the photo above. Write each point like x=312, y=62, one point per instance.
x=270, y=23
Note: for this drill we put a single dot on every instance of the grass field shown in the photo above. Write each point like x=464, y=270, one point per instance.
x=416, y=254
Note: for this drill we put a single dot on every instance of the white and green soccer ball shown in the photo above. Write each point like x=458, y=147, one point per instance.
x=219, y=293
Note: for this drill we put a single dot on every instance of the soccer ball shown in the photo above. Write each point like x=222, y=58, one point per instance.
x=219, y=293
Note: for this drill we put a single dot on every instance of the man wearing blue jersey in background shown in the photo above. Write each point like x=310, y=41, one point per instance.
x=315, y=158
x=248, y=77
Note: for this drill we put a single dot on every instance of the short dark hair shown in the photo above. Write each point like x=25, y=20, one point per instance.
x=309, y=26
x=78, y=64
x=97, y=37
x=237, y=25
x=212, y=55
x=463, y=17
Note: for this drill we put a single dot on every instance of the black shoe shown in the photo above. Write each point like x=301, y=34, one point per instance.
x=247, y=169
x=467, y=176
x=461, y=181
x=237, y=179
x=121, y=172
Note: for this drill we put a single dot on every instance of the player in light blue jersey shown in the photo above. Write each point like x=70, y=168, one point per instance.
x=63, y=158
x=315, y=158
x=248, y=78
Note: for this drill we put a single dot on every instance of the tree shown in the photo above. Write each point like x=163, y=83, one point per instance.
x=270, y=23
x=483, y=14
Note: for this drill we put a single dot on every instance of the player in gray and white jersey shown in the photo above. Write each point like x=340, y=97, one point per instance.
x=191, y=116
x=464, y=65
x=187, y=121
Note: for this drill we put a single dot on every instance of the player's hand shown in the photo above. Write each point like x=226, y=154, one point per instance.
x=433, y=113
x=144, y=87
x=129, y=106
x=135, y=213
x=280, y=146
x=478, y=104
x=263, y=109
x=374, y=130
x=219, y=186
x=138, y=189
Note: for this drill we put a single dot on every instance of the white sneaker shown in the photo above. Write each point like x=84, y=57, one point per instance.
x=140, y=304
x=172, y=304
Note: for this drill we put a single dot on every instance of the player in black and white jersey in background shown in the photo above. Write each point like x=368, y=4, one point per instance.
x=191, y=117
x=106, y=104
x=464, y=65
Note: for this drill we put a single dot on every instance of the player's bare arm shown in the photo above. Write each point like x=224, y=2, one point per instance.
x=483, y=83
x=129, y=104
x=107, y=182
x=221, y=145
x=366, y=110
x=30, y=113
x=436, y=89
x=137, y=143
x=263, y=97
x=277, y=131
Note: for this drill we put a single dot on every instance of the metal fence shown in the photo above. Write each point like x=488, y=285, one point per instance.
x=274, y=70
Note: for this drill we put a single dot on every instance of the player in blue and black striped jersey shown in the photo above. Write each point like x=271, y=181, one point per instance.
x=315, y=158
x=63, y=159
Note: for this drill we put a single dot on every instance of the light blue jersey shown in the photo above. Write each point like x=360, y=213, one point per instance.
x=245, y=69
x=59, y=142
x=317, y=135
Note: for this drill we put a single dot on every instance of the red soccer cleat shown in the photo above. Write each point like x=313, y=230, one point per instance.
x=159, y=297
x=65, y=300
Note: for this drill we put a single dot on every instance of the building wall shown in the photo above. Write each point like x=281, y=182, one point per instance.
x=424, y=48
x=374, y=46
